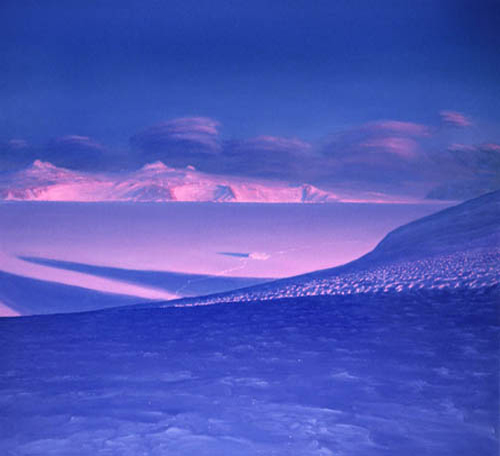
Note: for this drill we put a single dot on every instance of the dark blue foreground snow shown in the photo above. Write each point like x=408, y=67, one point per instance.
x=409, y=373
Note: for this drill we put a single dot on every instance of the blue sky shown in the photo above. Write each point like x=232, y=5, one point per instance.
x=304, y=70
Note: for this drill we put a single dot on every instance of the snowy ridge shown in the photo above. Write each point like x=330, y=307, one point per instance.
x=456, y=248
x=470, y=269
x=470, y=225
x=154, y=182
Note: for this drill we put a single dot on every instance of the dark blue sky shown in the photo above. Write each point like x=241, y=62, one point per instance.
x=107, y=70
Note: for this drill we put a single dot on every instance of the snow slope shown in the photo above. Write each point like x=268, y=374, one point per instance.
x=454, y=248
x=154, y=182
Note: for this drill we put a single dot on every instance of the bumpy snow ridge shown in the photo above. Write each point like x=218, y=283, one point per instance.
x=473, y=269
x=455, y=248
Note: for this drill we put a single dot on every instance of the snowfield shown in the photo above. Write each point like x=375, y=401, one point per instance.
x=392, y=373
x=395, y=354
x=458, y=247
x=52, y=254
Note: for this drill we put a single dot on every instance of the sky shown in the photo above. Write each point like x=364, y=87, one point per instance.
x=399, y=96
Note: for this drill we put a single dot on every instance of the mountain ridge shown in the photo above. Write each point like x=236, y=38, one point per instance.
x=154, y=182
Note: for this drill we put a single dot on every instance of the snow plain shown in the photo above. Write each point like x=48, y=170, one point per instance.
x=370, y=374
x=167, y=250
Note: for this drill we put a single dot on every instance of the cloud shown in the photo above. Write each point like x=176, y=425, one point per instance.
x=17, y=143
x=267, y=156
x=460, y=190
x=390, y=156
x=195, y=141
x=178, y=141
x=77, y=152
x=395, y=127
x=15, y=154
x=68, y=151
x=384, y=156
x=454, y=119
x=76, y=142
x=461, y=147
x=474, y=159
x=275, y=143
x=468, y=170
x=404, y=147
x=491, y=147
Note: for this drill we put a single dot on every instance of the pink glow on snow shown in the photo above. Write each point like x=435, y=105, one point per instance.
x=154, y=182
x=6, y=311
x=19, y=267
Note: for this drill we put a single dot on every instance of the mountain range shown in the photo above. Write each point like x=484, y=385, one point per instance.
x=154, y=182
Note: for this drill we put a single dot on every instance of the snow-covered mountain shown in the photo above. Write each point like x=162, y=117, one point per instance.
x=154, y=182
x=458, y=247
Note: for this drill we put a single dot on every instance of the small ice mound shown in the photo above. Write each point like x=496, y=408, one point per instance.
x=249, y=382
x=261, y=256
x=42, y=165
x=311, y=194
x=155, y=166
x=345, y=376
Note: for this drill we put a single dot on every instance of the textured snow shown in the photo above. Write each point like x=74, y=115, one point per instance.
x=392, y=373
x=470, y=269
x=458, y=247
